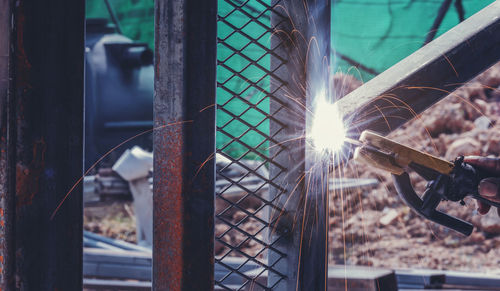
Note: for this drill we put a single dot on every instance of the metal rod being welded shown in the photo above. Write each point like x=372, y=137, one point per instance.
x=426, y=76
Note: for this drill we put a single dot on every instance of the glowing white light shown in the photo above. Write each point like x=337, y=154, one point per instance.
x=328, y=131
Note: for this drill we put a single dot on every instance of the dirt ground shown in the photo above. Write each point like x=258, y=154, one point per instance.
x=377, y=229
x=114, y=219
x=373, y=227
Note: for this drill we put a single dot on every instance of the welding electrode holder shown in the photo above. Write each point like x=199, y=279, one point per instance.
x=451, y=181
x=461, y=182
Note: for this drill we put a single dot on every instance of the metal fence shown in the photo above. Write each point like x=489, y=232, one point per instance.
x=243, y=203
x=260, y=155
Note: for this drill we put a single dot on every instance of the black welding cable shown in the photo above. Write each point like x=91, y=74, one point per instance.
x=437, y=22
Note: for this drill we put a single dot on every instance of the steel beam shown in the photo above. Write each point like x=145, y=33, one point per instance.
x=41, y=156
x=7, y=150
x=184, y=145
x=302, y=39
x=426, y=76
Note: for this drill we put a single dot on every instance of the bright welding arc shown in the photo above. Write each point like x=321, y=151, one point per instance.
x=328, y=131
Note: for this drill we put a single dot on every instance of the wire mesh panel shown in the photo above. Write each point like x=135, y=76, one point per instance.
x=243, y=203
x=270, y=229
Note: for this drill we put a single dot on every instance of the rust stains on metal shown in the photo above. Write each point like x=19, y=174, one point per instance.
x=184, y=84
x=43, y=145
x=169, y=206
x=23, y=65
x=28, y=176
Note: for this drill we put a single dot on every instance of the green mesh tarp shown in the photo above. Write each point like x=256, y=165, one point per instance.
x=379, y=33
x=373, y=33
x=136, y=17
x=243, y=85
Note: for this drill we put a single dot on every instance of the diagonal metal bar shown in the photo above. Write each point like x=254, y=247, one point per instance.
x=426, y=76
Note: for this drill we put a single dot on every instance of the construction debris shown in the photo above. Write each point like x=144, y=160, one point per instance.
x=135, y=166
x=389, y=218
x=113, y=219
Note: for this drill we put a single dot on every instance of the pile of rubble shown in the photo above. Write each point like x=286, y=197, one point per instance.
x=108, y=216
x=377, y=229
x=113, y=219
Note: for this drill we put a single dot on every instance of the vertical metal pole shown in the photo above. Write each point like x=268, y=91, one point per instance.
x=184, y=145
x=304, y=41
x=7, y=153
x=42, y=143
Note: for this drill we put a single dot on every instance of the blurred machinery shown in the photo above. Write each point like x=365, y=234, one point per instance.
x=118, y=92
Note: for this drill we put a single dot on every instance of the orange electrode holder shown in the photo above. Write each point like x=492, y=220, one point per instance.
x=385, y=154
x=446, y=180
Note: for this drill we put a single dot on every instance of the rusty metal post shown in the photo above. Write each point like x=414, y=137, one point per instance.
x=303, y=40
x=184, y=145
x=41, y=156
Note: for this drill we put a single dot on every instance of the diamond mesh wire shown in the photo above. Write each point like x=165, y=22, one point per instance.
x=243, y=202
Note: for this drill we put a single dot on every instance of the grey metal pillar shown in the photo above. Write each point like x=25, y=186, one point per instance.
x=41, y=143
x=184, y=145
x=302, y=41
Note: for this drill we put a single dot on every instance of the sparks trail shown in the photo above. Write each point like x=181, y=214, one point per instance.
x=105, y=155
x=343, y=228
x=351, y=208
x=454, y=94
x=406, y=106
x=212, y=156
x=348, y=207
x=400, y=223
x=283, y=209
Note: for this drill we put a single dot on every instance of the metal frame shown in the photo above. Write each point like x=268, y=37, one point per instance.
x=303, y=39
x=41, y=121
x=184, y=145
x=41, y=157
x=293, y=255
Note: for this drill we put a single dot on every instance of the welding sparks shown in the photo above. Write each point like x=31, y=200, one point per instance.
x=328, y=132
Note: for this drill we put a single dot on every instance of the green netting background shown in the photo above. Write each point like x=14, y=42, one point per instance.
x=237, y=31
x=374, y=33
x=379, y=33
x=136, y=17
